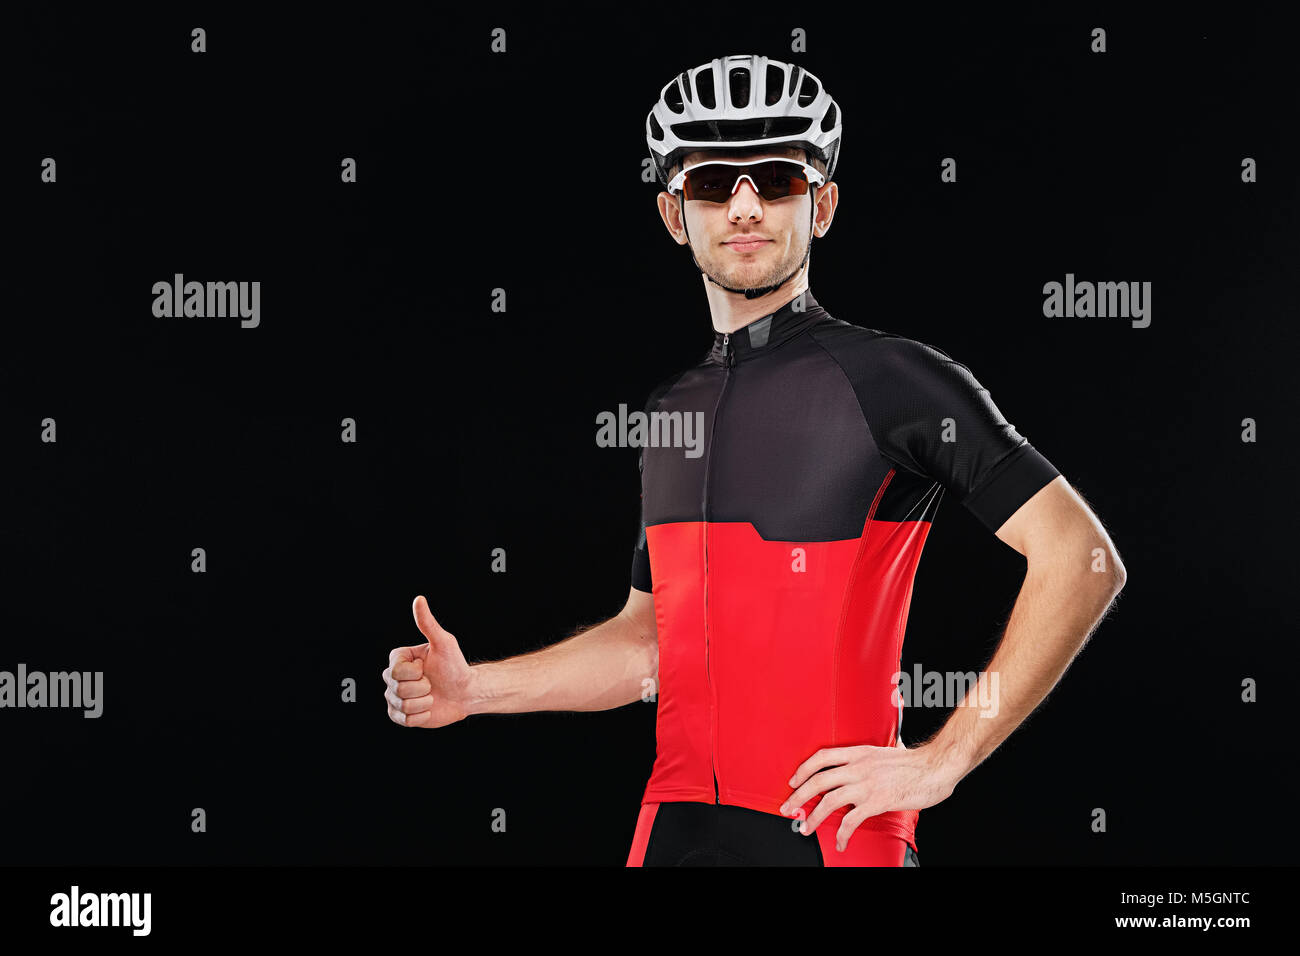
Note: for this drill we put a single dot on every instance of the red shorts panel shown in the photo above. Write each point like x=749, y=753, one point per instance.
x=644, y=824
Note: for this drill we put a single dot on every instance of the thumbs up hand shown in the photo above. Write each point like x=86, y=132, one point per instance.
x=427, y=684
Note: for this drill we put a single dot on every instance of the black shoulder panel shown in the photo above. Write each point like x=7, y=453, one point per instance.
x=930, y=416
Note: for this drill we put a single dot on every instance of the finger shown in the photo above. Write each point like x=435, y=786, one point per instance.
x=826, y=757
x=406, y=689
x=423, y=719
x=400, y=654
x=414, y=705
x=408, y=670
x=818, y=783
x=434, y=633
x=852, y=820
x=825, y=807
x=412, y=652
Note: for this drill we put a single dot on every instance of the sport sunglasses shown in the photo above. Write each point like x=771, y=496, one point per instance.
x=718, y=179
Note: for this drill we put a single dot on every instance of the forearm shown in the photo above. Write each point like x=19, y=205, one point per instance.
x=600, y=668
x=1060, y=604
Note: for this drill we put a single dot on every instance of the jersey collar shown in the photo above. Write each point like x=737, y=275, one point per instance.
x=766, y=333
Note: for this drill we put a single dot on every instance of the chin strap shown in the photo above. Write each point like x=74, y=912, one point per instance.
x=762, y=290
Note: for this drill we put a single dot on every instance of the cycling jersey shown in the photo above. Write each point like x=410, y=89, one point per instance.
x=781, y=553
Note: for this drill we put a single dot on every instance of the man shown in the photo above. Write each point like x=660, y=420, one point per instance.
x=773, y=574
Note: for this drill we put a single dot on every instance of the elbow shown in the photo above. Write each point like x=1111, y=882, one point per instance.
x=646, y=644
x=1109, y=579
x=1108, y=583
x=1118, y=573
x=650, y=662
x=1121, y=576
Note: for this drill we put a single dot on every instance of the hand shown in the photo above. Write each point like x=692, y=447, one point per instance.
x=873, y=780
x=428, y=684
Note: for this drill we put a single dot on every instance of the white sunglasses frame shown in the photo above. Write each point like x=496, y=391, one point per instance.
x=815, y=178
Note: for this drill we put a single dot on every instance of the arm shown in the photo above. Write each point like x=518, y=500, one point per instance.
x=597, y=668
x=1074, y=574
x=609, y=665
x=1061, y=602
x=605, y=666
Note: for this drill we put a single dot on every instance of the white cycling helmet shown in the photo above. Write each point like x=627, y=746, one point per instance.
x=738, y=101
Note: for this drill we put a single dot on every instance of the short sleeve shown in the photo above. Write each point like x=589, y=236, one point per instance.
x=930, y=415
x=641, y=554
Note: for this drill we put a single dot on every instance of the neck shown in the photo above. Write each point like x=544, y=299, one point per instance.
x=731, y=310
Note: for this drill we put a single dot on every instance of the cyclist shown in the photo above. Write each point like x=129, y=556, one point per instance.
x=773, y=572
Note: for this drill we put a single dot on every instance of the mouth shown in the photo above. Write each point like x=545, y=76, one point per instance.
x=746, y=244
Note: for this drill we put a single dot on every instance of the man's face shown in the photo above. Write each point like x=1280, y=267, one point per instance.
x=748, y=242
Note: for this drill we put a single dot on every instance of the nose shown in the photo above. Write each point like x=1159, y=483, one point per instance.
x=745, y=201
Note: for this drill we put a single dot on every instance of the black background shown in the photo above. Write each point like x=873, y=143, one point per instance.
x=476, y=429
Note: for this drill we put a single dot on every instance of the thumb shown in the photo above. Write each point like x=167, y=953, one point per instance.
x=433, y=632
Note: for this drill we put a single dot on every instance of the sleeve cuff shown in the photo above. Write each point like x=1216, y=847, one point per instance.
x=641, y=570
x=1014, y=480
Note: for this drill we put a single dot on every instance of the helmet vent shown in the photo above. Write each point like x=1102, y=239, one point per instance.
x=673, y=98
x=730, y=131
x=828, y=121
x=704, y=88
x=775, y=80
x=739, y=87
x=808, y=91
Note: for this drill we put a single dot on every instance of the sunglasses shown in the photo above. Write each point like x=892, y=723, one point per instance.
x=717, y=180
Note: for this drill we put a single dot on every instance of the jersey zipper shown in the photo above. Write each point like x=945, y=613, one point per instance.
x=728, y=363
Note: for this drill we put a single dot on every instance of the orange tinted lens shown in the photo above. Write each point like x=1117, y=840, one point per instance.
x=775, y=179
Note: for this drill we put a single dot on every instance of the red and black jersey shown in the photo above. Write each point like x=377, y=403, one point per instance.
x=781, y=553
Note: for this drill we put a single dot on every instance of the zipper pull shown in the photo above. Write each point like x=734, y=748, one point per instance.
x=728, y=357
